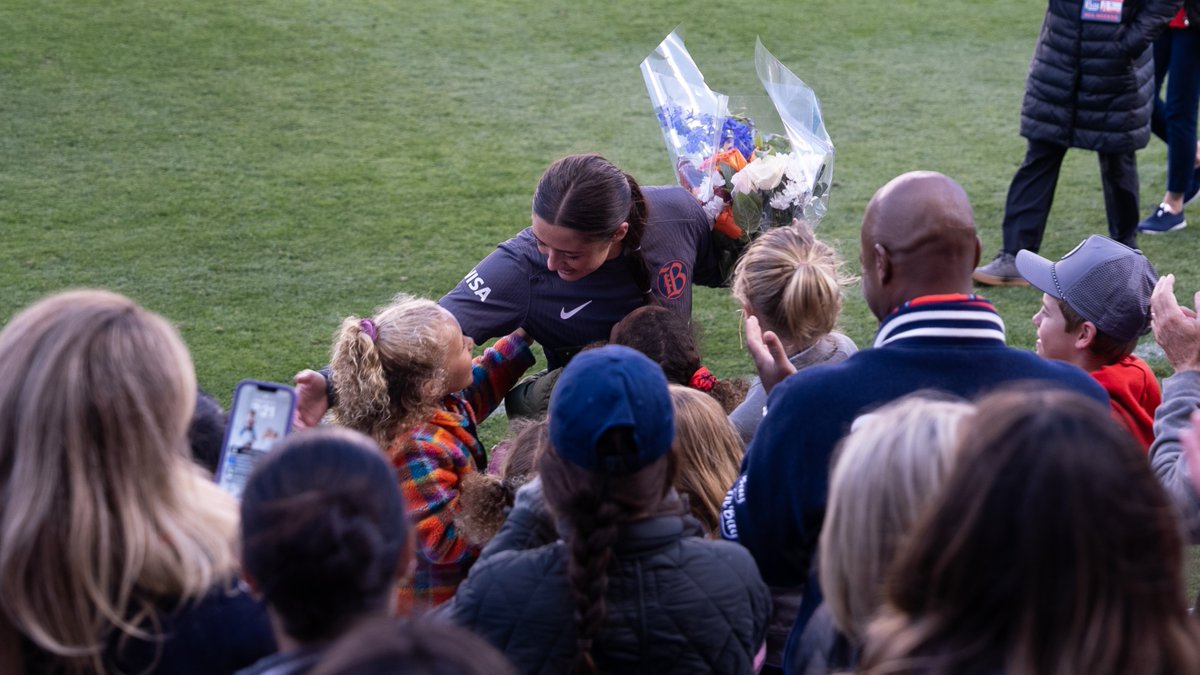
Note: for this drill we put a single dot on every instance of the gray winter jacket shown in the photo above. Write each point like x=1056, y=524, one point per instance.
x=1181, y=396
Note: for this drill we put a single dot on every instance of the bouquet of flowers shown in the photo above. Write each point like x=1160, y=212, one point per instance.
x=753, y=162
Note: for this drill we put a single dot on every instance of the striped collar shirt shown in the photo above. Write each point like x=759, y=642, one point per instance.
x=954, y=317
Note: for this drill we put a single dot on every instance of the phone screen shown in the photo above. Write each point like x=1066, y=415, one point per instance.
x=260, y=416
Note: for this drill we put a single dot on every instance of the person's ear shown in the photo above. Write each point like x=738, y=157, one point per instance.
x=883, y=265
x=620, y=233
x=978, y=252
x=1085, y=335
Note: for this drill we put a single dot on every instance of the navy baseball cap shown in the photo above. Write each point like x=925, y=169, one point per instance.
x=606, y=388
x=1104, y=281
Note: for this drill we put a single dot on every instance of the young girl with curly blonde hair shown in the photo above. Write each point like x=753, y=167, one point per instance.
x=406, y=378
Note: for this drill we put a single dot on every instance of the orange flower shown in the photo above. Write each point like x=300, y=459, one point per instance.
x=725, y=224
x=733, y=157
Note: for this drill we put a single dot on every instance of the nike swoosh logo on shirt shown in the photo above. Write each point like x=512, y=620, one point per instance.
x=564, y=314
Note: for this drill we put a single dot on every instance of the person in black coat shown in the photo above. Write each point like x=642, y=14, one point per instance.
x=1090, y=86
x=598, y=568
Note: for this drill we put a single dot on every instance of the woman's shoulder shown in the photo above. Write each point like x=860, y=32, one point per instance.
x=223, y=631
x=671, y=203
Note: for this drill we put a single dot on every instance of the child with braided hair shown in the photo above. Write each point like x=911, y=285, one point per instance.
x=406, y=378
x=631, y=585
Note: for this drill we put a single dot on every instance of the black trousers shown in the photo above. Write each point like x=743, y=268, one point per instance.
x=1032, y=193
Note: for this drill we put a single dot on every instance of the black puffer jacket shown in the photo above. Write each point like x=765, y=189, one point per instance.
x=1091, y=84
x=676, y=603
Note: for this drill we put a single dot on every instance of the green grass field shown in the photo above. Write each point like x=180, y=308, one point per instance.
x=257, y=171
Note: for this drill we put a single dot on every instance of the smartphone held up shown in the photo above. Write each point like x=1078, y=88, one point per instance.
x=261, y=414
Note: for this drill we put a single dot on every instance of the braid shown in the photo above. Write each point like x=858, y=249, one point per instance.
x=591, y=544
x=638, y=217
x=594, y=504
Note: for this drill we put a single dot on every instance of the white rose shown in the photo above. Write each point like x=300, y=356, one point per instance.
x=763, y=173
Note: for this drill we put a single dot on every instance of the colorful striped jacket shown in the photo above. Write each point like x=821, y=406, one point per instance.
x=432, y=459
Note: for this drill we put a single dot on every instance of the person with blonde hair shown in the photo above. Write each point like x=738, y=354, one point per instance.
x=707, y=453
x=1050, y=548
x=117, y=555
x=405, y=377
x=888, y=469
x=792, y=283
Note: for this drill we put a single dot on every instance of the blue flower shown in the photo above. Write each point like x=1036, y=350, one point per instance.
x=696, y=131
x=738, y=132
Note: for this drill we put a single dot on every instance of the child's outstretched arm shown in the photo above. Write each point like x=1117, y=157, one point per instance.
x=496, y=370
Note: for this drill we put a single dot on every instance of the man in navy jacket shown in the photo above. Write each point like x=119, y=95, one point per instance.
x=919, y=247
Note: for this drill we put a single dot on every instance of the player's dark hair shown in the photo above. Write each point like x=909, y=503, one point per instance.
x=590, y=195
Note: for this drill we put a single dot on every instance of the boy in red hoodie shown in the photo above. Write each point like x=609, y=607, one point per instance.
x=1095, y=306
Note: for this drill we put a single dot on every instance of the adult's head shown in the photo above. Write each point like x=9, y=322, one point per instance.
x=885, y=474
x=586, y=212
x=103, y=515
x=390, y=371
x=792, y=283
x=708, y=452
x=611, y=427
x=412, y=647
x=1051, y=549
x=324, y=533
x=918, y=238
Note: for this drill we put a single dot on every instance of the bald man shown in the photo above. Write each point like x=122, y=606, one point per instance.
x=919, y=248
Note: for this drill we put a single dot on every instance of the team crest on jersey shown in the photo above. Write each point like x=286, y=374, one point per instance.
x=672, y=279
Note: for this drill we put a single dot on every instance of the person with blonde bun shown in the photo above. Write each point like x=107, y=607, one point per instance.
x=117, y=553
x=792, y=283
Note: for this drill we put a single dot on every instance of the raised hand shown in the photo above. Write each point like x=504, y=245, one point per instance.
x=311, y=398
x=770, y=358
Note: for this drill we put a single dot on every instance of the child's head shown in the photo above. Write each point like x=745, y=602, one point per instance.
x=413, y=647
x=884, y=474
x=324, y=532
x=206, y=431
x=1095, y=302
x=484, y=498
x=611, y=429
x=707, y=453
x=390, y=371
x=670, y=341
x=793, y=283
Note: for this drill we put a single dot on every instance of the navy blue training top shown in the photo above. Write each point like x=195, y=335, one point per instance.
x=512, y=288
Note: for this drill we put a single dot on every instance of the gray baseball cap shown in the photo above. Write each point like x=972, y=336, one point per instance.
x=1104, y=281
